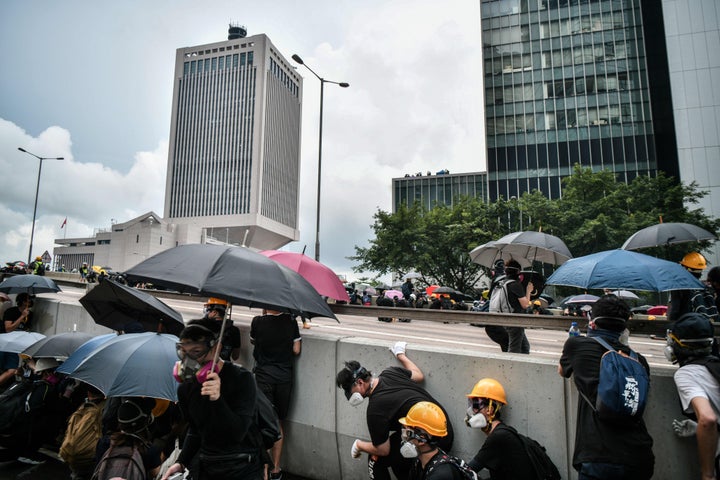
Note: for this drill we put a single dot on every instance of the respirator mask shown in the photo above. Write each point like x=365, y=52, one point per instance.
x=407, y=448
x=475, y=420
x=188, y=367
x=356, y=399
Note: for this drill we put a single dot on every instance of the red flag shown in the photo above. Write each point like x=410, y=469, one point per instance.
x=64, y=223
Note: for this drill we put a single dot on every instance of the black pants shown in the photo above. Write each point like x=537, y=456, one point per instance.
x=233, y=466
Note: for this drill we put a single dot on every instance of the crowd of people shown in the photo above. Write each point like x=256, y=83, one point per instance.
x=213, y=430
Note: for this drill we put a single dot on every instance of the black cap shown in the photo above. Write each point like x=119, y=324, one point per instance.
x=693, y=326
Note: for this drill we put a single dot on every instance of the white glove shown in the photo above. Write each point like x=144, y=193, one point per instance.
x=398, y=348
x=355, y=450
x=684, y=428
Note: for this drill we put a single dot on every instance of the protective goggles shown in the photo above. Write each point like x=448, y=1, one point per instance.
x=478, y=403
x=407, y=434
x=193, y=350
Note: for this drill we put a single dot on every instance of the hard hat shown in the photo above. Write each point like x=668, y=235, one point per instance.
x=488, y=388
x=216, y=301
x=45, y=364
x=38, y=258
x=428, y=416
x=694, y=261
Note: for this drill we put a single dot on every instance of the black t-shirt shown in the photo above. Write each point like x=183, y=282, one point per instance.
x=273, y=337
x=628, y=443
x=12, y=314
x=515, y=290
x=392, y=398
x=503, y=454
x=231, y=340
x=219, y=427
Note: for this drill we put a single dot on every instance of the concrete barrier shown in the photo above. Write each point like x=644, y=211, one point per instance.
x=322, y=425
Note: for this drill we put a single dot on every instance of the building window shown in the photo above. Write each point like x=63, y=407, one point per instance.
x=160, y=240
x=137, y=238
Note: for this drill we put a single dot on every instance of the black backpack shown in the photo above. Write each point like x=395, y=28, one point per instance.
x=12, y=405
x=120, y=462
x=466, y=472
x=544, y=467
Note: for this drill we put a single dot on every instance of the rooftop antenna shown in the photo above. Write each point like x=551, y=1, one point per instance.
x=235, y=31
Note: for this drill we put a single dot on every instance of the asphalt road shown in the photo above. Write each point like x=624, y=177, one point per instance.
x=543, y=343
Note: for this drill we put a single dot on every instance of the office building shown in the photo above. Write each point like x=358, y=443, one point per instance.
x=574, y=81
x=234, y=153
x=439, y=189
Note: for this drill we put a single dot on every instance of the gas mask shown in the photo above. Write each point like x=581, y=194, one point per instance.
x=475, y=420
x=188, y=367
x=356, y=399
x=409, y=450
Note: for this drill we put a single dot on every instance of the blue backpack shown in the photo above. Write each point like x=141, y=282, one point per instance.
x=623, y=386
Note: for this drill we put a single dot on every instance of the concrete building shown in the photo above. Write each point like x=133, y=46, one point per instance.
x=234, y=153
x=431, y=190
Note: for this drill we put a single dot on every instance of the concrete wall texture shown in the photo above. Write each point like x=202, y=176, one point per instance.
x=322, y=425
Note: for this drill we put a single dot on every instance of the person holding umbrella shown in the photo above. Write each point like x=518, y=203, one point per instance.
x=218, y=400
x=19, y=317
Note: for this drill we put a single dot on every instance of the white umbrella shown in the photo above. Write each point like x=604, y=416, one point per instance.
x=627, y=294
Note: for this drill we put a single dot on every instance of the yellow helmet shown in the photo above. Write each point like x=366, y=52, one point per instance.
x=694, y=261
x=38, y=258
x=488, y=388
x=216, y=301
x=428, y=416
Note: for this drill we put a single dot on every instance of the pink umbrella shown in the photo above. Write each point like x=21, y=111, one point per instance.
x=325, y=281
x=393, y=293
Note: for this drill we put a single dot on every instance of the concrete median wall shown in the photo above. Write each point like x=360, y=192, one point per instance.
x=322, y=425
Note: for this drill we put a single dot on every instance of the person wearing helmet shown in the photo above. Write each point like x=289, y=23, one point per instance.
x=689, y=343
x=37, y=267
x=215, y=309
x=422, y=428
x=390, y=396
x=83, y=272
x=503, y=453
x=681, y=300
x=625, y=449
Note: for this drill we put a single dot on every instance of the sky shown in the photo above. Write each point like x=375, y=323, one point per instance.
x=92, y=82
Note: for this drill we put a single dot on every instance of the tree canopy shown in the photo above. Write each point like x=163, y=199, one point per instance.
x=596, y=213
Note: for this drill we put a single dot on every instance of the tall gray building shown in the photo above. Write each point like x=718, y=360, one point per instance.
x=574, y=81
x=234, y=153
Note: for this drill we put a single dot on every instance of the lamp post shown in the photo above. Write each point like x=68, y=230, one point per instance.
x=37, y=191
x=322, y=88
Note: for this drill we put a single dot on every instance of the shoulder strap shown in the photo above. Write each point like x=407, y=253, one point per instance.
x=605, y=344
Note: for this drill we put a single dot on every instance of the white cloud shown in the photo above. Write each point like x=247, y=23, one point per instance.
x=414, y=104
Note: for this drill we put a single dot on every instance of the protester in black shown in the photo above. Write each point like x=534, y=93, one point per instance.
x=277, y=341
x=391, y=395
x=19, y=317
x=603, y=449
x=215, y=309
x=219, y=406
x=503, y=453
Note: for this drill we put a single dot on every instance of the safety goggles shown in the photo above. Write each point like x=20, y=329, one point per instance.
x=478, y=403
x=407, y=434
x=193, y=350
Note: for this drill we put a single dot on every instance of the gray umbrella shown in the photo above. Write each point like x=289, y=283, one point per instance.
x=667, y=234
x=59, y=346
x=31, y=284
x=525, y=247
x=236, y=274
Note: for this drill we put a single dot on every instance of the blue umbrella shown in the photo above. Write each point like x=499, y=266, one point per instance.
x=132, y=365
x=624, y=269
x=82, y=352
x=19, y=340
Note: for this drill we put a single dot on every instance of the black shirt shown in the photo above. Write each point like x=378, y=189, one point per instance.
x=503, y=454
x=12, y=314
x=441, y=471
x=596, y=440
x=273, y=337
x=394, y=395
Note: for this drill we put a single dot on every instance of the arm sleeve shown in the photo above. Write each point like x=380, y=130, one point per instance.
x=232, y=414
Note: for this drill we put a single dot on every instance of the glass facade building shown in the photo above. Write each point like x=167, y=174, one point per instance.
x=569, y=81
x=431, y=190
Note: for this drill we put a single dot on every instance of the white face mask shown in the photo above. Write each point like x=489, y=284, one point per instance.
x=625, y=337
x=356, y=399
x=409, y=450
x=475, y=420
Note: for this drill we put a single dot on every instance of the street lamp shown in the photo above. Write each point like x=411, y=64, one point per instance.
x=37, y=191
x=322, y=85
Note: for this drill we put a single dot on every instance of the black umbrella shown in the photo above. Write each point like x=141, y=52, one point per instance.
x=59, y=346
x=31, y=284
x=115, y=306
x=445, y=290
x=667, y=234
x=237, y=274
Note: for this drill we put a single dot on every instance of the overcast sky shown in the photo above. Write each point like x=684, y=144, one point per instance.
x=92, y=82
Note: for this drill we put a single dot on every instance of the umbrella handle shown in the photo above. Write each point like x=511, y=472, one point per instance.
x=220, y=337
